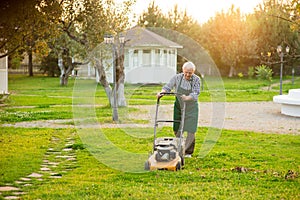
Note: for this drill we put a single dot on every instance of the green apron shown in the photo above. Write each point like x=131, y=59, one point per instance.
x=191, y=111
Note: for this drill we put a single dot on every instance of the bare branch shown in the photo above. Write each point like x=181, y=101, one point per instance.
x=286, y=19
x=9, y=52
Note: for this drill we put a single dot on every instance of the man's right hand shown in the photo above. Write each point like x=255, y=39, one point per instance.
x=159, y=94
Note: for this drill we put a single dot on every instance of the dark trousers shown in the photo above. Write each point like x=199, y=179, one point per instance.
x=189, y=143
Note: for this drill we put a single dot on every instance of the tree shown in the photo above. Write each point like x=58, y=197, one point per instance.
x=25, y=24
x=176, y=20
x=292, y=7
x=228, y=37
x=153, y=17
x=66, y=50
x=49, y=65
x=180, y=21
x=272, y=26
x=295, y=13
x=86, y=23
x=12, y=26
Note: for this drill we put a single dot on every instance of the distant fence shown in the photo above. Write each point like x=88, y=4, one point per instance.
x=23, y=69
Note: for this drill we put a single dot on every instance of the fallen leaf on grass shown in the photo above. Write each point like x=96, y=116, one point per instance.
x=291, y=175
x=240, y=169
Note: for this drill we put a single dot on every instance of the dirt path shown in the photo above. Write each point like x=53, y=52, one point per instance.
x=253, y=116
x=277, y=84
x=257, y=116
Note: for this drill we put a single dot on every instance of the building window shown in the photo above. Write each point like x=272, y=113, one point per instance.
x=135, y=58
x=164, y=57
x=147, y=57
x=156, y=57
x=172, y=58
x=146, y=51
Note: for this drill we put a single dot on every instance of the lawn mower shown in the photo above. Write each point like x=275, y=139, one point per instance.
x=168, y=152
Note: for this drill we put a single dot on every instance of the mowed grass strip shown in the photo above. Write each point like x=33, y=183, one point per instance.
x=21, y=152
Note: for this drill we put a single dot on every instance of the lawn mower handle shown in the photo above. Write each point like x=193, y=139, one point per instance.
x=181, y=122
x=166, y=93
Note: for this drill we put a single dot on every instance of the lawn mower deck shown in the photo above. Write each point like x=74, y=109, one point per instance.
x=166, y=155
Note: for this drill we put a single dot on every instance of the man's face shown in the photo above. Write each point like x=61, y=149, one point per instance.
x=188, y=73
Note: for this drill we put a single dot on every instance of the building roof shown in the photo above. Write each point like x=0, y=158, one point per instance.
x=139, y=36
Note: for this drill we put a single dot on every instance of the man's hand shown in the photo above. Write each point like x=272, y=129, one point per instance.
x=186, y=98
x=158, y=95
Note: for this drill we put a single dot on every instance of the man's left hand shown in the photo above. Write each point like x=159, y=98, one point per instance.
x=186, y=98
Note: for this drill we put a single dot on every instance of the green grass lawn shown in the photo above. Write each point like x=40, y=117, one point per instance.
x=42, y=91
x=41, y=98
x=241, y=165
x=22, y=150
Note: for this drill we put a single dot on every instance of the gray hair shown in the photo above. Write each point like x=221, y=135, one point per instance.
x=189, y=65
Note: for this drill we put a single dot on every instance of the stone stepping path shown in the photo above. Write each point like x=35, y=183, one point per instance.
x=58, y=160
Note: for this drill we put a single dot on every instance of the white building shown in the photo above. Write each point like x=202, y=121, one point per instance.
x=3, y=75
x=149, y=57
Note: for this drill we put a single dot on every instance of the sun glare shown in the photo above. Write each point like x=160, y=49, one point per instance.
x=199, y=10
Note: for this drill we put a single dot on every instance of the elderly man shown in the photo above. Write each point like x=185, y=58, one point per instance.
x=187, y=84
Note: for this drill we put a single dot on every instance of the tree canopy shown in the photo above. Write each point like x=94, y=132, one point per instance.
x=235, y=41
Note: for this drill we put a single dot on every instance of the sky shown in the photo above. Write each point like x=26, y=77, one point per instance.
x=200, y=10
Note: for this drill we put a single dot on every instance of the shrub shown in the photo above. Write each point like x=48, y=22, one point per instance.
x=49, y=65
x=264, y=72
x=240, y=75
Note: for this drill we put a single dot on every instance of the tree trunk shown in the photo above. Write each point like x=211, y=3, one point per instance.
x=64, y=77
x=109, y=95
x=232, y=71
x=64, y=73
x=71, y=66
x=65, y=80
x=30, y=64
x=121, y=96
x=102, y=80
x=120, y=77
x=62, y=69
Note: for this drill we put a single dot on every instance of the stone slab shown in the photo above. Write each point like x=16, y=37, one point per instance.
x=35, y=175
x=8, y=188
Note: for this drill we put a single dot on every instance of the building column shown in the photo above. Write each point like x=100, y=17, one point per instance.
x=161, y=57
x=140, y=57
x=152, y=58
x=168, y=58
x=130, y=58
x=175, y=59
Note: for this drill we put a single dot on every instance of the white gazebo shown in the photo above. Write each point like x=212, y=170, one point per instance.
x=148, y=57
